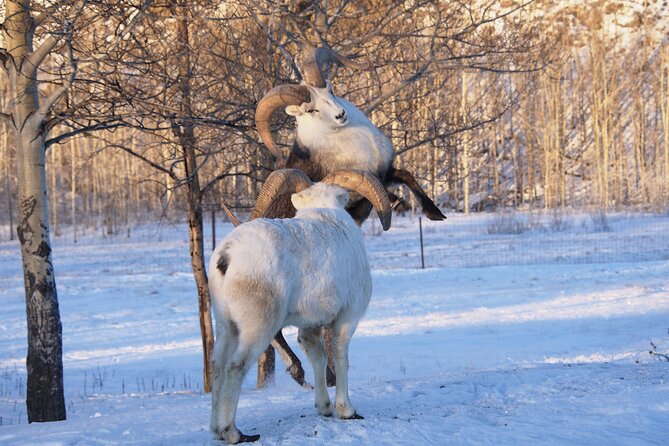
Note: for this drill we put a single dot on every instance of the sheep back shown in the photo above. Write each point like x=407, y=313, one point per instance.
x=301, y=269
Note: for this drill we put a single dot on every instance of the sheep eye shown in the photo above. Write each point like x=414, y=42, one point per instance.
x=312, y=110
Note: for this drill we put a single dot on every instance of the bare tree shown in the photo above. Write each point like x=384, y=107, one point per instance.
x=184, y=78
x=30, y=118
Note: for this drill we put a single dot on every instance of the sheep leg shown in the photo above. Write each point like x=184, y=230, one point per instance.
x=311, y=341
x=290, y=358
x=342, y=338
x=226, y=341
x=330, y=372
x=405, y=177
x=233, y=373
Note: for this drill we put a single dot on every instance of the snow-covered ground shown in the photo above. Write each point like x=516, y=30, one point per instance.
x=540, y=337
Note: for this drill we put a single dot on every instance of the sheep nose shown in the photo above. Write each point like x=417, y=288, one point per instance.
x=341, y=115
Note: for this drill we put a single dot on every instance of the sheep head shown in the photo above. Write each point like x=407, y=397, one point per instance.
x=320, y=195
x=322, y=114
x=312, y=103
x=323, y=194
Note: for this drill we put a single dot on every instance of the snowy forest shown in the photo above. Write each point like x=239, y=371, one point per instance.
x=533, y=104
x=536, y=313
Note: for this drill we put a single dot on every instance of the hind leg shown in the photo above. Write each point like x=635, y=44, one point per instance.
x=245, y=354
x=312, y=342
x=342, y=337
x=227, y=340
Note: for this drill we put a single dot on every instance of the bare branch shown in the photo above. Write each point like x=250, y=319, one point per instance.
x=131, y=24
x=5, y=117
x=455, y=131
x=49, y=102
x=144, y=159
x=38, y=56
x=211, y=183
x=4, y=57
x=399, y=86
x=91, y=128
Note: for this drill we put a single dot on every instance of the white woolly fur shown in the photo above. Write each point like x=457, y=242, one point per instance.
x=310, y=271
x=339, y=136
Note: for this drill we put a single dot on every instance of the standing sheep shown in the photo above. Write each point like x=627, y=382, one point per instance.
x=310, y=271
x=332, y=134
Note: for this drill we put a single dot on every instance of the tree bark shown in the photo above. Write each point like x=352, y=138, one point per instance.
x=185, y=132
x=196, y=240
x=8, y=186
x=45, y=397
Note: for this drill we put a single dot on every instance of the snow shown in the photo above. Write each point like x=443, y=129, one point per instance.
x=538, y=337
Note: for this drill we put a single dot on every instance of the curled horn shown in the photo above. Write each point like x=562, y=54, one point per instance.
x=232, y=217
x=366, y=185
x=279, y=182
x=279, y=96
x=312, y=61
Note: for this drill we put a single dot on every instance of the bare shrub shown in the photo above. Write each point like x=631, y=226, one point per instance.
x=600, y=221
x=559, y=220
x=657, y=354
x=513, y=223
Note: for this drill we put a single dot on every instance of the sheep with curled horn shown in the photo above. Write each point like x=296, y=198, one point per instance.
x=332, y=134
x=310, y=271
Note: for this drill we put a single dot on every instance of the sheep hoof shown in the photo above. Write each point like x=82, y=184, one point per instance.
x=233, y=435
x=355, y=416
x=243, y=438
x=325, y=410
x=433, y=213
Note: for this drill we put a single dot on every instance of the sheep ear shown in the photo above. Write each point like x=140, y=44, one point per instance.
x=298, y=200
x=294, y=110
x=342, y=197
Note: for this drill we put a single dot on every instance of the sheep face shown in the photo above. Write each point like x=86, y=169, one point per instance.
x=338, y=135
x=320, y=196
x=323, y=114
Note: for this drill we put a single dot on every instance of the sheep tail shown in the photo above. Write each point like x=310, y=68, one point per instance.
x=223, y=262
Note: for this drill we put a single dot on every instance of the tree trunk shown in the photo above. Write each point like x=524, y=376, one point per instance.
x=45, y=397
x=54, y=192
x=8, y=186
x=73, y=189
x=196, y=239
x=186, y=134
x=465, y=144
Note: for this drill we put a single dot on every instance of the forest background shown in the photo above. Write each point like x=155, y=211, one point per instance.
x=543, y=104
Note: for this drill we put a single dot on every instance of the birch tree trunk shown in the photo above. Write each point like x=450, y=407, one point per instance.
x=54, y=192
x=664, y=111
x=8, y=184
x=73, y=188
x=44, y=398
x=465, y=144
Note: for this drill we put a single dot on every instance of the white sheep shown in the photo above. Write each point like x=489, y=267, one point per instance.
x=332, y=134
x=310, y=271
